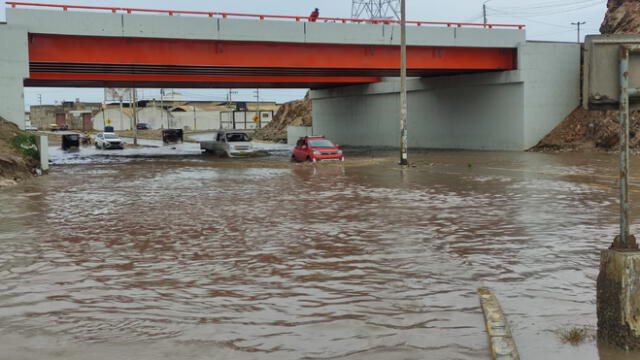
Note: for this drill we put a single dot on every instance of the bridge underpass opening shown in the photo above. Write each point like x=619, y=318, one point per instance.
x=92, y=61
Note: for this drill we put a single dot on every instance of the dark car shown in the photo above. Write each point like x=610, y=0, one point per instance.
x=143, y=126
x=172, y=136
x=70, y=142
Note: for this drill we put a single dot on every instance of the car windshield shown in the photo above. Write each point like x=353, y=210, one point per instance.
x=110, y=136
x=233, y=137
x=321, y=143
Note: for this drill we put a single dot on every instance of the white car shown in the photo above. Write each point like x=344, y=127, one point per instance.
x=231, y=143
x=108, y=140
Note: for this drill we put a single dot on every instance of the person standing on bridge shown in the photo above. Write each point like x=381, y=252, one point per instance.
x=314, y=15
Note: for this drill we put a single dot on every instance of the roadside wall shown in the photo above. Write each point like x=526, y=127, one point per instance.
x=119, y=120
x=233, y=29
x=14, y=67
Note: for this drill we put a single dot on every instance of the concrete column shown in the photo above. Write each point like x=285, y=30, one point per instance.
x=14, y=68
x=42, y=142
x=618, y=298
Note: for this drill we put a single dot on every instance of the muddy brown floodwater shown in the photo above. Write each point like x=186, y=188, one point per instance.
x=150, y=256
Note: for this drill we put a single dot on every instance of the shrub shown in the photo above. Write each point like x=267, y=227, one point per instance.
x=26, y=144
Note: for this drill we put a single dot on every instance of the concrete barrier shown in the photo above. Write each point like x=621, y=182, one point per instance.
x=618, y=298
x=500, y=339
x=42, y=142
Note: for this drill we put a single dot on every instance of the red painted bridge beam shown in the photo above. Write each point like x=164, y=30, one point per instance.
x=249, y=80
x=151, y=51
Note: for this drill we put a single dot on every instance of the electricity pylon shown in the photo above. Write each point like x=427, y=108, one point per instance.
x=375, y=9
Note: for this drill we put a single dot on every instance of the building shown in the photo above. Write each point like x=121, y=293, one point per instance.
x=76, y=114
x=187, y=115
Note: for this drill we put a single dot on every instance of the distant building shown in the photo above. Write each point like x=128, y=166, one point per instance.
x=75, y=114
x=187, y=115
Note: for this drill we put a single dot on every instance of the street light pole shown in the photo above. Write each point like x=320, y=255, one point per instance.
x=578, y=24
x=403, y=85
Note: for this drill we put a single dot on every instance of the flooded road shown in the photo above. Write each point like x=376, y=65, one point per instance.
x=166, y=254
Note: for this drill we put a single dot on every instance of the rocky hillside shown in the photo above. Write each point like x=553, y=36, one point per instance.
x=623, y=17
x=294, y=113
x=598, y=130
x=17, y=154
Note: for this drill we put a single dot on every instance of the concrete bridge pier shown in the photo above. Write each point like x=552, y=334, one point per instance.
x=501, y=110
x=14, y=68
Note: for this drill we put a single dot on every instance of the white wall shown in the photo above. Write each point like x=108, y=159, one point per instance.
x=244, y=119
x=14, y=67
x=119, y=120
x=204, y=120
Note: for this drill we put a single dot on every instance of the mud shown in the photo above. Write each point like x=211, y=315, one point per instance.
x=14, y=166
x=161, y=253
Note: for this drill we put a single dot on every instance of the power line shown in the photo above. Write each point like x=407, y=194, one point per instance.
x=550, y=8
x=529, y=19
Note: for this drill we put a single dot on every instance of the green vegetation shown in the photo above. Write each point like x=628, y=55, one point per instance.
x=575, y=335
x=26, y=144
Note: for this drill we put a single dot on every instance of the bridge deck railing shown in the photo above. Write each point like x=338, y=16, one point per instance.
x=225, y=15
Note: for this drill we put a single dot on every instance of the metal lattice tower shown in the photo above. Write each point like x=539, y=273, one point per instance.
x=375, y=9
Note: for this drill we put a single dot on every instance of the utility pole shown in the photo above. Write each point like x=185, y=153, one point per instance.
x=258, y=109
x=484, y=12
x=578, y=25
x=40, y=99
x=194, y=117
x=233, y=111
x=403, y=84
x=135, y=117
x=162, y=109
x=121, y=111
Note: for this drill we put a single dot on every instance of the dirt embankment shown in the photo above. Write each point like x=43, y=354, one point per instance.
x=598, y=130
x=294, y=113
x=15, y=165
x=585, y=130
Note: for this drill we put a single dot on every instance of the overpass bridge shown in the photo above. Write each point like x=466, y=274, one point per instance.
x=349, y=63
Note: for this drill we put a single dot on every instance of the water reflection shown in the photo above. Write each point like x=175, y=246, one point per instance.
x=207, y=258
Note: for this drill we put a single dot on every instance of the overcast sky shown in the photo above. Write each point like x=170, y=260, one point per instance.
x=544, y=20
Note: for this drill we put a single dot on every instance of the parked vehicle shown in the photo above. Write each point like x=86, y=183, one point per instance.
x=30, y=128
x=106, y=140
x=70, y=142
x=232, y=143
x=86, y=139
x=143, y=126
x=316, y=148
x=56, y=127
x=172, y=136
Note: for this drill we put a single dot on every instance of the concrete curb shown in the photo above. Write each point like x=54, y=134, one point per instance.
x=500, y=340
